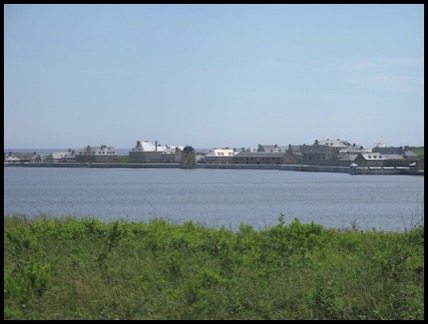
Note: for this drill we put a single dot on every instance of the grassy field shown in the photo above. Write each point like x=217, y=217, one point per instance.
x=87, y=269
x=122, y=159
x=419, y=151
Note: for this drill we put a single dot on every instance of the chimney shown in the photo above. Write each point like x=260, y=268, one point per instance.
x=156, y=145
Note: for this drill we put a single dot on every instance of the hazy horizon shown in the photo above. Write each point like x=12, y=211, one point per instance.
x=197, y=148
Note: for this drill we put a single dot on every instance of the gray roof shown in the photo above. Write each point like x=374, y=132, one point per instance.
x=409, y=154
x=24, y=155
x=315, y=148
x=272, y=148
x=348, y=157
x=388, y=150
x=373, y=156
x=295, y=149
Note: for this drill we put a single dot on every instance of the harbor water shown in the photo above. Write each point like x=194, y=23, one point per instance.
x=217, y=197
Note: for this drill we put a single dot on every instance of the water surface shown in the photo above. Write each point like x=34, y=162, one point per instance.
x=215, y=198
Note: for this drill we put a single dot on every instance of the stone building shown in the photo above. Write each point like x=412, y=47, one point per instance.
x=318, y=152
x=148, y=152
x=22, y=157
x=101, y=153
x=403, y=151
x=263, y=158
x=376, y=159
x=188, y=157
x=271, y=148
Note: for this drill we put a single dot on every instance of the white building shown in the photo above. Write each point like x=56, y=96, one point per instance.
x=56, y=157
x=149, y=152
x=11, y=158
x=221, y=156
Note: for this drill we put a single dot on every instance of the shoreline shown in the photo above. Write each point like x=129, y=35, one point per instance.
x=281, y=167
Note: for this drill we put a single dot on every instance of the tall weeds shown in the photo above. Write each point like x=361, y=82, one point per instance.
x=87, y=269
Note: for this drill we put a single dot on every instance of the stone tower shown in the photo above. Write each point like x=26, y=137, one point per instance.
x=188, y=157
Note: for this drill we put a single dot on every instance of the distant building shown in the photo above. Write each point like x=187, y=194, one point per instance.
x=188, y=158
x=340, y=144
x=56, y=157
x=347, y=158
x=263, y=158
x=354, y=148
x=403, y=151
x=10, y=158
x=348, y=154
x=148, y=152
x=376, y=159
x=220, y=156
x=318, y=152
x=272, y=148
x=417, y=167
x=101, y=153
x=22, y=157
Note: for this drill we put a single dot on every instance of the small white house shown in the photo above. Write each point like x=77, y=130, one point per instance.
x=56, y=157
x=11, y=158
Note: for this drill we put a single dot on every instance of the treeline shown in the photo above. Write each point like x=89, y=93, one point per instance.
x=86, y=269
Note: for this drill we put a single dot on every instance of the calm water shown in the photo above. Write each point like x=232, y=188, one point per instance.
x=217, y=198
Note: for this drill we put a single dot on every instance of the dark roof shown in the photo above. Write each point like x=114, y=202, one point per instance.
x=188, y=149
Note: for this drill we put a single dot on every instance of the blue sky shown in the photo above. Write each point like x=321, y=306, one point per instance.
x=212, y=75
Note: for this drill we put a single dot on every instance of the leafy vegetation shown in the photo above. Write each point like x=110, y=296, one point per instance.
x=86, y=269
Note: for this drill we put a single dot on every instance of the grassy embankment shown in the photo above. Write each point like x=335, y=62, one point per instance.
x=87, y=269
x=419, y=151
x=122, y=159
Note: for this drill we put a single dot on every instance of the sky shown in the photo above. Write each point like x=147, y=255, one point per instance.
x=212, y=75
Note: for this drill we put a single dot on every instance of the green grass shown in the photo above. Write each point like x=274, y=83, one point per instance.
x=87, y=269
x=419, y=151
x=122, y=159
